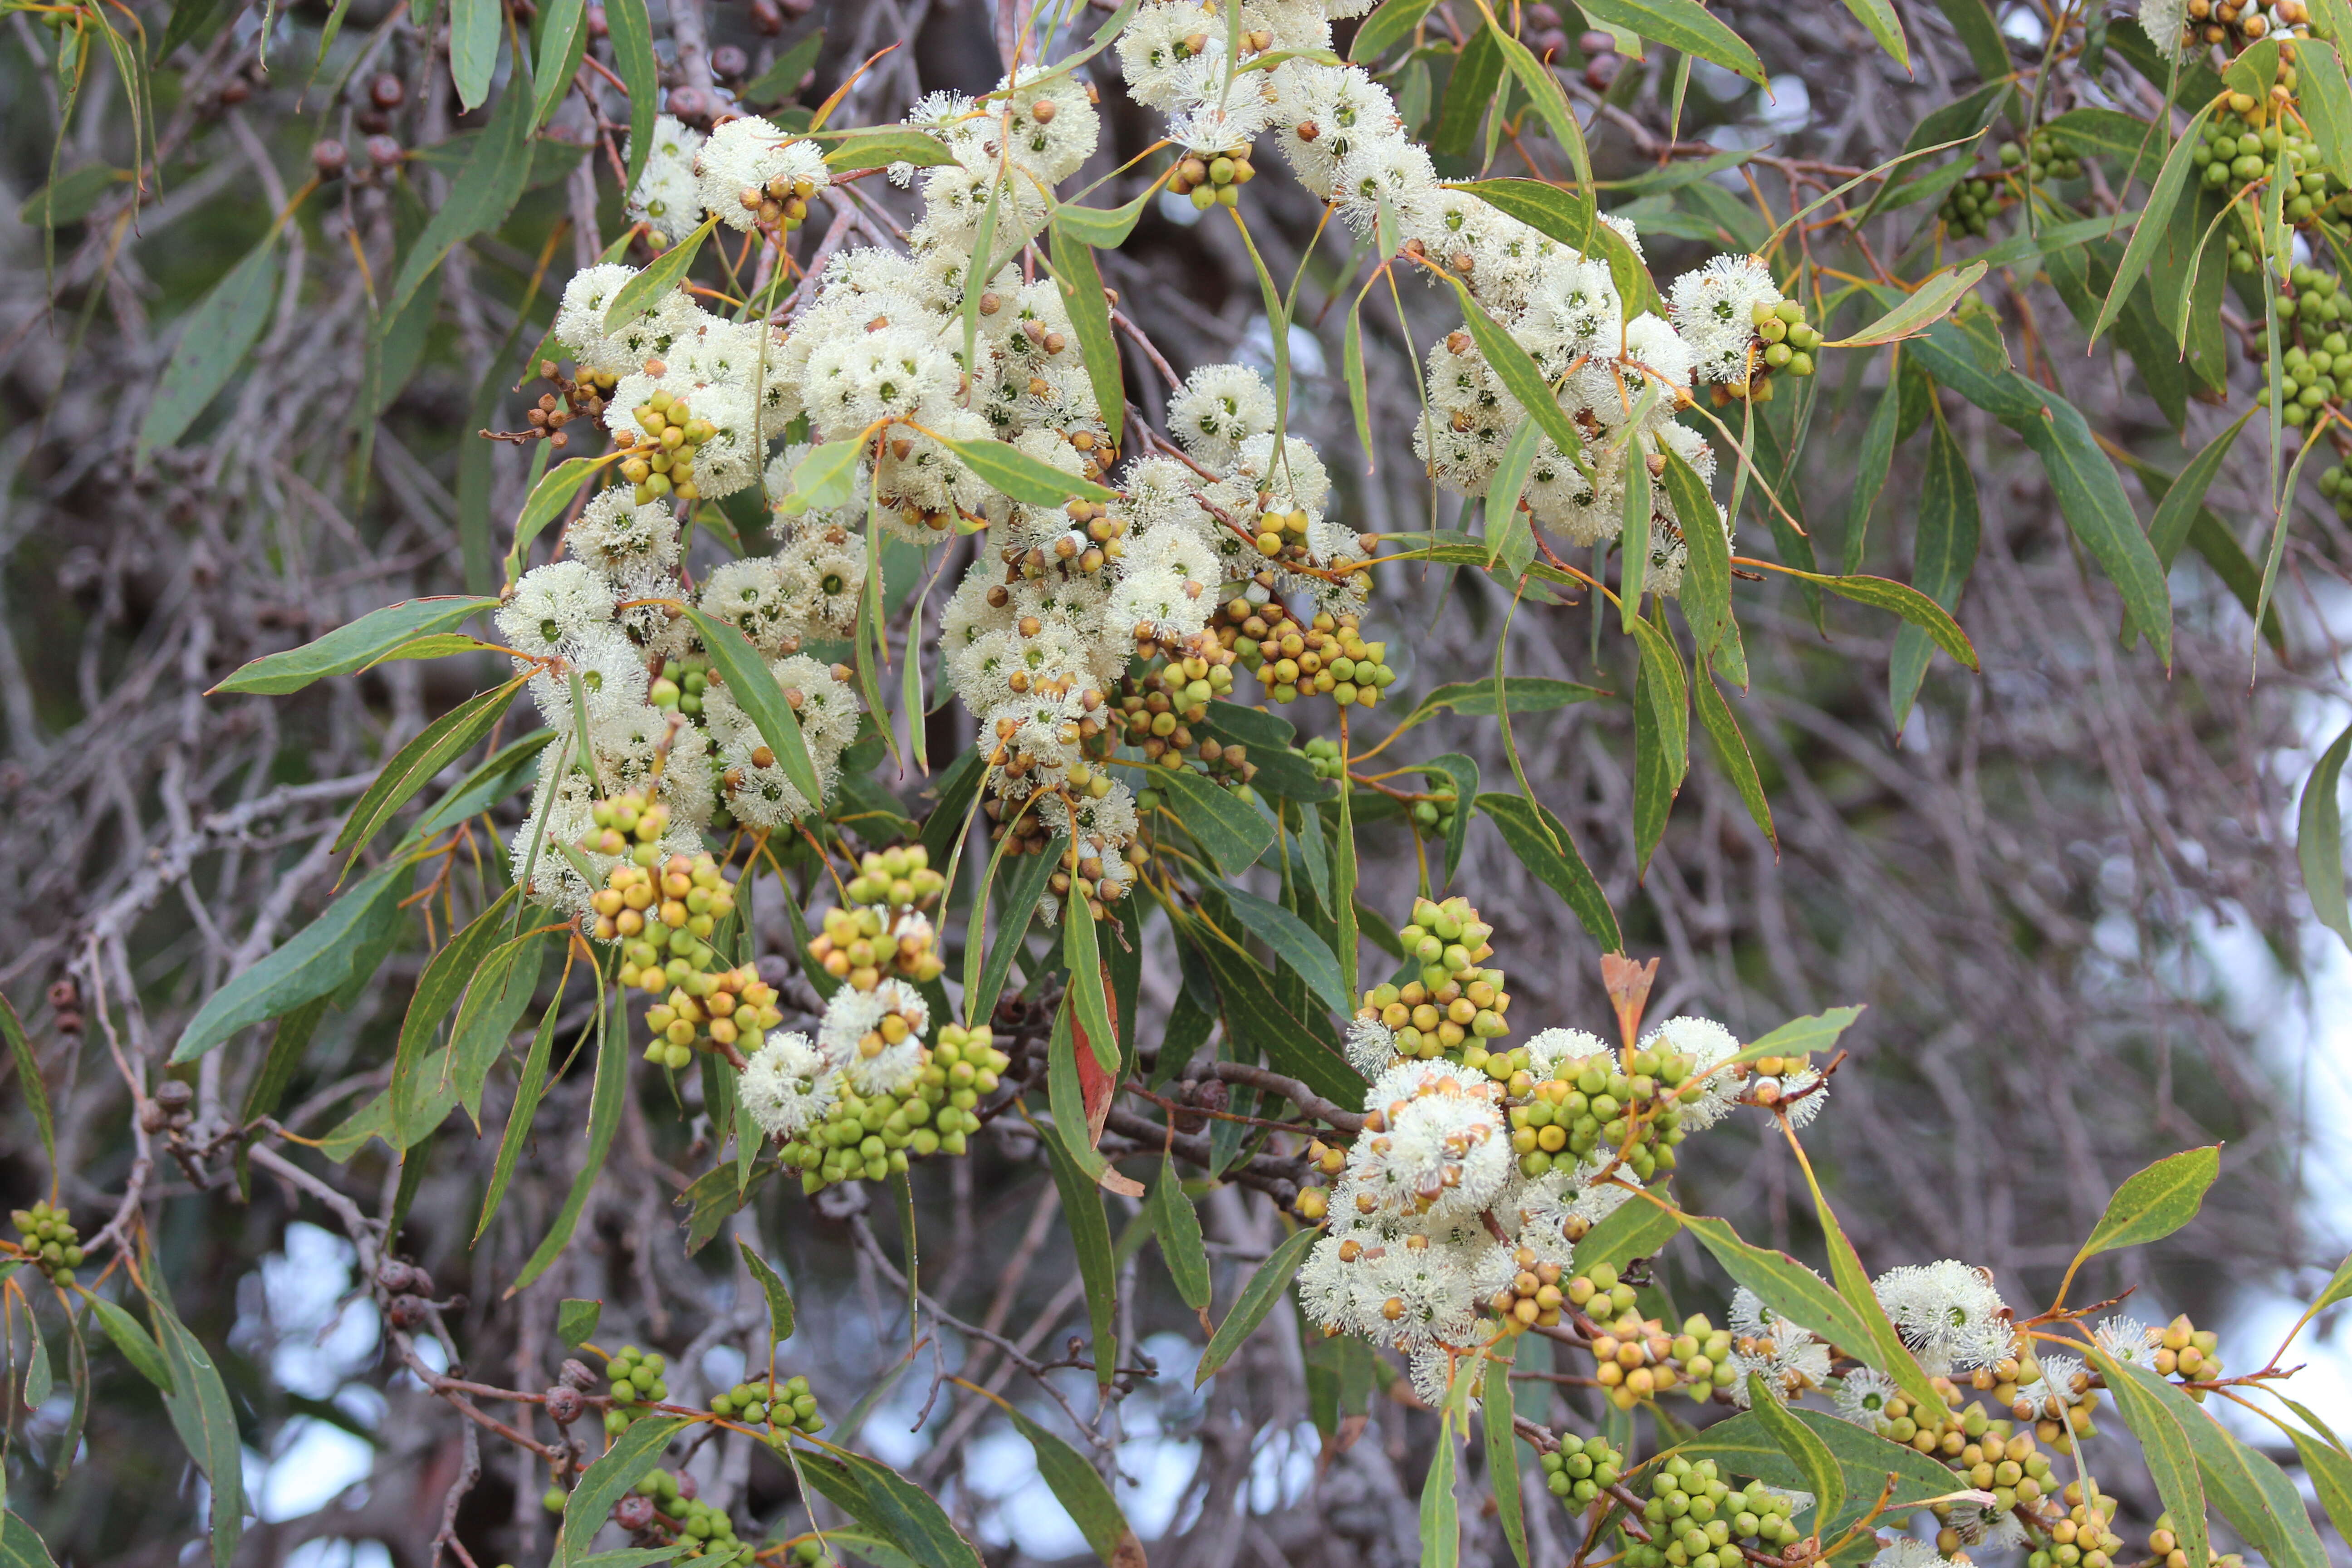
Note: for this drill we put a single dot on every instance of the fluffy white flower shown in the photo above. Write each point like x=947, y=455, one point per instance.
x=828, y=575
x=614, y=534
x=666, y=196
x=580, y=318
x=1219, y=406
x=1161, y=51
x=1704, y=1097
x=612, y=677
x=787, y=1086
x=1948, y=1312
x=1371, y=1046
x=1713, y=306
x=561, y=812
x=1053, y=144
x=2127, y=1340
x=1908, y=1552
x=1861, y=1396
x=554, y=605
x=756, y=597
x=748, y=155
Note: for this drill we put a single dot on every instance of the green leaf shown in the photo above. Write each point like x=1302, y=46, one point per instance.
x=206, y=1424
x=1802, y=1037
x=1520, y=376
x=1089, y=1230
x=1177, y=1224
x=1664, y=692
x=1943, y=553
x=1503, y=1456
x=1706, y=579
x=1731, y=752
x=414, y=766
x=1295, y=942
x=2110, y=133
x=1081, y=286
x=483, y=194
x=1440, y=1518
x=1634, y=509
x=1568, y=215
x=632, y=33
x=1807, y=1452
x=2330, y=1471
x=1927, y=305
x=2153, y=219
x=1902, y=599
x=632, y=1457
x=892, y=1505
x=1385, y=28
x=562, y=41
x=772, y=1284
x=527, y=1090
x=1105, y=228
x=753, y=686
x=605, y=1100
x=315, y=960
x=421, y=1093
x=1543, y=91
x=1635, y=1228
x=1682, y=25
x=575, y=1321
x=1523, y=693
x=1232, y=833
x=1082, y=1492
x=28, y=1080
x=474, y=29
x=1545, y=848
x=891, y=144
x=2318, y=839
x=828, y=476
x=985, y=981
x=1510, y=538
x=214, y=339
x=21, y=1545
x=646, y=291
x=1885, y=26
x=496, y=996
x=783, y=80
x=1460, y=772
x=547, y=499
x=1469, y=93
x=2164, y=1448
x=2155, y=1201
x=69, y=197
x=1258, y=1022
x=1745, y=1446
x=1785, y=1285
x=1083, y=955
x=2254, y=1494
x=1870, y=463
x=1885, y=1349
x=2185, y=495
x=1266, y=1287
x=1973, y=20
x=138, y=1347
x=1004, y=467
x=354, y=646
x=2325, y=97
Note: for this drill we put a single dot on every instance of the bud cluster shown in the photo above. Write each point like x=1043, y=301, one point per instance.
x=730, y=1009
x=1698, y=1520
x=1213, y=179
x=786, y=1406
x=1785, y=342
x=661, y=451
x=871, y=1137
x=49, y=1241
x=1583, y=1468
x=664, y=1510
x=635, y=1377
x=1455, y=1003
x=1291, y=658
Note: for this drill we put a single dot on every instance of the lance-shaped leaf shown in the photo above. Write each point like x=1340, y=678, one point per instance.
x=2155, y=1201
x=1089, y=1228
x=1802, y=1445
x=632, y=1455
x=1743, y=1446
x=1542, y=843
x=315, y=960
x=1883, y=593
x=137, y=1345
x=1266, y=1287
x=1032, y=480
x=212, y=341
x=1630, y=1230
x=412, y=767
x=206, y=1423
x=2254, y=1494
x=1294, y=942
x=1177, y=1225
x=1232, y=833
x=1386, y=27
x=480, y=197
x=2154, y=218
x=878, y=149
x=1517, y=371
x=1682, y=25
x=753, y=686
x=1927, y=305
x=2319, y=839
x=1792, y=1291
x=354, y=646
x=1081, y=287
x=645, y=290
x=632, y=31
x=2164, y=1448
x=1496, y=1412
x=772, y=1284
x=547, y=499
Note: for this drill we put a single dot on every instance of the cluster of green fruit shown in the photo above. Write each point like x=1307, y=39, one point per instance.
x=1327, y=655
x=1999, y=1459
x=1435, y=814
x=2234, y=151
x=660, y=462
x=2085, y=1538
x=730, y=1009
x=629, y=825
x=1323, y=756
x=1789, y=342
x=49, y=1241
x=863, y=945
x=786, y=1406
x=1455, y=1003
x=681, y=684
x=2043, y=158
x=900, y=876
x=1635, y=1358
x=2055, y=1420
x=1594, y=1103
x=2164, y=1546
x=635, y=1377
x=2186, y=1350
x=1213, y=179
x=1158, y=708
x=703, y=1533
x=1583, y=1468
x=1698, y=1520
x=1973, y=203
x=868, y=1138
x=2315, y=358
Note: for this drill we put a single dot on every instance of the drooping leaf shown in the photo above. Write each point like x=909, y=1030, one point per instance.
x=2162, y=197
x=28, y=1080
x=1258, y=1022
x=1872, y=460
x=495, y=998
x=1543, y=845
x=1928, y=304
x=483, y=194
x=1266, y=1287
x=1227, y=829
x=783, y=80
x=771, y=1285
x=1294, y=942
x=314, y=962
x=577, y=1321
x=1731, y=752
x=201, y=1414
x=1943, y=553
x=352, y=646
x=1520, y=375
x=631, y=32
x=214, y=341
x=1792, y=1291
x=1743, y=1446
x=1630, y=1230
x=427, y=752
x=879, y=149
x=1089, y=1231
x=1803, y=1447
x=1177, y=1225
x=750, y=682
x=2164, y=1448
x=1032, y=480
x=474, y=26
x=632, y=1455
x=2254, y=1494
x=1496, y=1412
x=1081, y=1491
x=1441, y=1512
x=1682, y=25
x=605, y=1098
x=2319, y=839
x=138, y=1347
x=1081, y=284
x=649, y=287
x=1385, y=28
